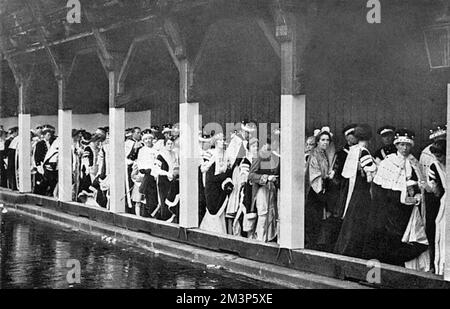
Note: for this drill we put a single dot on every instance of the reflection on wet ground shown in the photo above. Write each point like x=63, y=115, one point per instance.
x=35, y=255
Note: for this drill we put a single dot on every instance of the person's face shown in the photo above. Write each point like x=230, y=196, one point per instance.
x=166, y=135
x=206, y=145
x=47, y=136
x=137, y=135
x=310, y=144
x=324, y=142
x=351, y=140
x=220, y=143
x=148, y=140
x=404, y=149
x=254, y=149
x=169, y=145
x=245, y=134
x=387, y=139
x=364, y=143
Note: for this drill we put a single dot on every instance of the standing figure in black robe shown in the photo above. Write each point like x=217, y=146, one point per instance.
x=101, y=198
x=50, y=165
x=40, y=153
x=318, y=174
x=3, y=181
x=173, y=197
x=243, y=221
x=218, y=186
x=338, y=188
x=396, y=192
x=163, y=170
x=236, y=151
x=11, y=145
x=434, y=195
x=387, y=136
x=89, y=169
x=359, y=169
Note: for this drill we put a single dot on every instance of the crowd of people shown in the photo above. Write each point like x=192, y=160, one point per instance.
x=387, y=206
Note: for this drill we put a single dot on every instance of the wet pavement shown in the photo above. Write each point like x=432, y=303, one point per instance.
x=40, y=255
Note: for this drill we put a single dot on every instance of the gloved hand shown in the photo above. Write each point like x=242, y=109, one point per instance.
x=228, y=188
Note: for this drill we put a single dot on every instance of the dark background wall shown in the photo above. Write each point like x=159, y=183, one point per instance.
x=376, y=74
x=355, y=72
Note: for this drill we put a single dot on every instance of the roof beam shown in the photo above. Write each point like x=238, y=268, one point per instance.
x=128, y=60
x=38, y=19
x=78, y=36
x=270, y=36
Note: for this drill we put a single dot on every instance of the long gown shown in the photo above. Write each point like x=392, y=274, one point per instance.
x=351, y=238
x=316, y=201
x=433, y=203
x=435, y=221
x=265, y=195
x=389, y=216
x=164, y=162
x=216, y=198
x=148, y=188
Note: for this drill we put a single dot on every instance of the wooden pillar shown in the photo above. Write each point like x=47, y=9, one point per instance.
x=292, y=174
x=189, y=151
x=116, y=149
x=447, y=200
x=65, y=144
x=189, y=126
x=24, y=145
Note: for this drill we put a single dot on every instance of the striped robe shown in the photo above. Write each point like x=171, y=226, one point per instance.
x=359, y=169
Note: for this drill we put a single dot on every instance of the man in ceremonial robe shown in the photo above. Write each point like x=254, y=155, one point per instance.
x=397, y=209
x=236, y=152
x=338, y=188
x=40, y=152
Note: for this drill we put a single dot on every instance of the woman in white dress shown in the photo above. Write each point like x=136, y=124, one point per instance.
x=145, y=161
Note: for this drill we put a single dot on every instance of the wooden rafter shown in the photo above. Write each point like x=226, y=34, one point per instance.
x=128, y=60
x=205, y=41
x=38, y=19
x=171, y=51
x=173, y=32
x=270, y=36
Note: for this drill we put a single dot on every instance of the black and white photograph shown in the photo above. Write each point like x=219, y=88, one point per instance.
x=224, y=150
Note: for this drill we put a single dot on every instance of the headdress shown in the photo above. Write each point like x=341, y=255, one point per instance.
x=404, y=136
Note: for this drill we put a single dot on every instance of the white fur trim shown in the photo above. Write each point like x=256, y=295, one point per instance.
x=228, y=180
x=174, y=203
x=403, y=139
x=386, y=131
x=349, y=131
